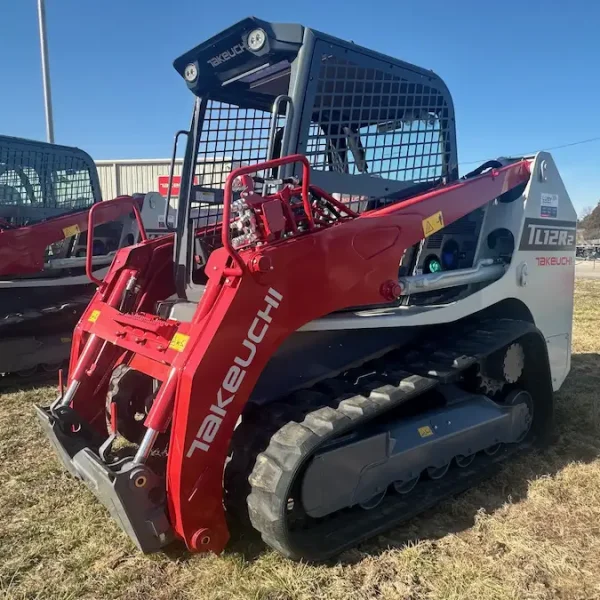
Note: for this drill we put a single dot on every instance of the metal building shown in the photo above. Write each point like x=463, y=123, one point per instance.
x=131, y=176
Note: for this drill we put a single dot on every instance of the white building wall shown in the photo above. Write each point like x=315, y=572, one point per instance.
x=131, y=176
x=126, y=177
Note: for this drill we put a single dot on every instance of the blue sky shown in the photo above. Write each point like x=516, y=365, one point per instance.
x=519, y=71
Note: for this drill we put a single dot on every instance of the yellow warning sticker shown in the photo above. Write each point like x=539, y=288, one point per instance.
x=94, y=316
x=71, y=230
x=433, y=223
x=179, y=342
x=425, y=431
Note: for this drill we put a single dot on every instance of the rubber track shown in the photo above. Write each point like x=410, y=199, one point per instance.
x=13, y=381
x=80, y=302
x=75, y=306
x=304, y=429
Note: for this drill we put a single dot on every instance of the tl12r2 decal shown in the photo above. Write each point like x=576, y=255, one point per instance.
x=548, y=236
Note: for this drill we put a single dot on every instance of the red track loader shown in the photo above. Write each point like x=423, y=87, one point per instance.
x=341, y=332
x=48, y=193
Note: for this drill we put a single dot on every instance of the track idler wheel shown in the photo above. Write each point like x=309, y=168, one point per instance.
x=517, y=397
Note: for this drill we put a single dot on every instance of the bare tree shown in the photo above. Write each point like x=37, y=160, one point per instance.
x=586, y=212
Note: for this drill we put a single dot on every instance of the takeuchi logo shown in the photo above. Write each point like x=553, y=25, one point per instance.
x=223, y=57
x=235, y=375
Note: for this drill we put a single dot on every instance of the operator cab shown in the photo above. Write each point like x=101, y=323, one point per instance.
x=40, y=181
x=374, y=129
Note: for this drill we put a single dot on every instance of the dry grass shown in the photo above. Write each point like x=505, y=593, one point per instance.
x=532, y=532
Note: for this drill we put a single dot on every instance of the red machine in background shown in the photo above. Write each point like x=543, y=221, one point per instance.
x=47, y=192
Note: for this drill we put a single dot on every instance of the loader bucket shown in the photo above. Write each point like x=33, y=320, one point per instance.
x=133, y=494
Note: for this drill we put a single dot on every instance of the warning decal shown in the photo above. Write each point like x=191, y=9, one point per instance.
x=549, y=206
x=433, y=223
x=94, y=316
x=425, y=431
x=71, y=231
x=179, y=342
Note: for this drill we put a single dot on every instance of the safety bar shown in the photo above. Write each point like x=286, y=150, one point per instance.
x=289, y=115
x=228, y=197
x=114, y=208
x=171, y=175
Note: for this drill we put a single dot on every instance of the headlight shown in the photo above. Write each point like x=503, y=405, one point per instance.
x=256, y=39
x=191, y=72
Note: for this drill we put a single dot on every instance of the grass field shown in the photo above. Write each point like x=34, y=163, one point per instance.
x=532, y=532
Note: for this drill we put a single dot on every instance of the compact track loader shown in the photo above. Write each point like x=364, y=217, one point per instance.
x=341, y=332
x=47, y=195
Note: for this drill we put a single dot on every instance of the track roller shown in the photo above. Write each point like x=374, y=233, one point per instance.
x=492, y=450
x=437, y=472
x=25, y=373
x=463, y=461
x=405, y=487
x=374, y=501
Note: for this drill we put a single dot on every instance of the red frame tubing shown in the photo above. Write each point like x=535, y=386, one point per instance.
x=334, y=201
x=22, y=249
x=350, y=264
x=144, y=261
x=152, y=257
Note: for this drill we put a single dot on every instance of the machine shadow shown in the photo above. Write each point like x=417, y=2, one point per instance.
x=576, y=438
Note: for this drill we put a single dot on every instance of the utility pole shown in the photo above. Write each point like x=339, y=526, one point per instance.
x=45, y=72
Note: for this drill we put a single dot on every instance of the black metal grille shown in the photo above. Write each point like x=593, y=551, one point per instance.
x=42, y=179
x=366, y=120
x=231, y=136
